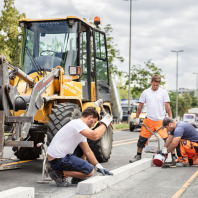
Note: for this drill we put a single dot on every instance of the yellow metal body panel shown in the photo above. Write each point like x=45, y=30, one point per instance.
x=93, y=92
x=72, y=88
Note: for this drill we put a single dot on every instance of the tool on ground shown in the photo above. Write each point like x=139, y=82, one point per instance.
x=45, y=166
x=159, y=160
x=153, y=133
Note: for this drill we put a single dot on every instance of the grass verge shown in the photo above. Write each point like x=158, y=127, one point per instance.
x=123, y=125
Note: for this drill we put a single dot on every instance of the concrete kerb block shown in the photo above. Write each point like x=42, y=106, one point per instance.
x=98, y=183
x=19, y=192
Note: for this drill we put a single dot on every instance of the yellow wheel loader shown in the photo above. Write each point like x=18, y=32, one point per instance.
x=63, y=70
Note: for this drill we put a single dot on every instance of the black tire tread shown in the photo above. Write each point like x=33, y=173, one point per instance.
x=61, y=114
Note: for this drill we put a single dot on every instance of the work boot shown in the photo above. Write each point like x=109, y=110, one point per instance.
x=185, y=164
x=76, y=180
x=136, y=158
x=59, y=178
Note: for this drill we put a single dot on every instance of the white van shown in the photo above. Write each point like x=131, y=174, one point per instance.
x=191, y=119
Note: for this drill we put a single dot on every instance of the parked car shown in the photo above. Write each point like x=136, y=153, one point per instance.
x=142, y=116
x=191, y=119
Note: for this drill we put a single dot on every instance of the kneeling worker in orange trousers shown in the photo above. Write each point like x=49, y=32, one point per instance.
x=184, y=137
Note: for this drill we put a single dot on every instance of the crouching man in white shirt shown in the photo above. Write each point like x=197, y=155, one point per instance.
x=70, y=139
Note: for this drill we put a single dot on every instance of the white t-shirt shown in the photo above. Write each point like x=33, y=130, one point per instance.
x=67, y=139
x=155, y=103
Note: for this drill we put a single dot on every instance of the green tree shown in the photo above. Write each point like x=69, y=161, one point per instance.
x=184, y=103
x=141, y=77
x=172, y=96
x=113, y=51
x=123, y=90
x=194, y=100
x=9, y=30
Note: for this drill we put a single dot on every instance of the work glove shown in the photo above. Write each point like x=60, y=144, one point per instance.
x=161, y=153
x=164, y=150
x=98, y=103
x=107, y=119
x=136, y=121
x=99, y=168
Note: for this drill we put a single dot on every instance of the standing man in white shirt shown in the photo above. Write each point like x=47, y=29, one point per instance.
x=156, y=100
x=68, y=141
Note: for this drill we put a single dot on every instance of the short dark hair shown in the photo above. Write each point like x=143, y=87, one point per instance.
x=90, y=111
x=167, y=121
x=156, y=78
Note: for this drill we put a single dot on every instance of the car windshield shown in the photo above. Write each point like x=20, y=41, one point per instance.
x=188, y=117
x=49, y=44
x=136, y=107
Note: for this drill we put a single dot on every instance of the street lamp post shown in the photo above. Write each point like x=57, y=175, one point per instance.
x=196, y=84
x=177, y=51
x=129, y=89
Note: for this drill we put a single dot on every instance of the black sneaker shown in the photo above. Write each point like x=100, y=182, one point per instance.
x=59, y=178
x=76, y=180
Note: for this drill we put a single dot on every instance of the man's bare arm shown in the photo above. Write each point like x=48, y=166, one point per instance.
x=94, y=134
x=169, y=140
x=88, y=153
x=168, y=109
x=139, y=110
x=174, y=144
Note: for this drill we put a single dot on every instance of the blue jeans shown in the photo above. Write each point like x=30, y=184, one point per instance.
x=72, y=163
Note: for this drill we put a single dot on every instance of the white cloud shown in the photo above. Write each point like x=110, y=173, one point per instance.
x=157, y=28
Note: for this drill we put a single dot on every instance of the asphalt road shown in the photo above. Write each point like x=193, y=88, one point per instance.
x=153, y=182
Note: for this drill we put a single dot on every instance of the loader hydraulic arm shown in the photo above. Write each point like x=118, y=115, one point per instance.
x=21, y=74
x=36, y=100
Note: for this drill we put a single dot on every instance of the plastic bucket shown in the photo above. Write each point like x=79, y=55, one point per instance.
x=159, y=160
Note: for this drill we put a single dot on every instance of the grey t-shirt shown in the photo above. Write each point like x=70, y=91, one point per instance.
x=186, y=131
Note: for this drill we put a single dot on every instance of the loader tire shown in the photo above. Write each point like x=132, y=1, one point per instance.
x=26, y=153
x=61, y=114
x=102, y=147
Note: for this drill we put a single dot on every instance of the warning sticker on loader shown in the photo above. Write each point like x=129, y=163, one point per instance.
x=72, y=89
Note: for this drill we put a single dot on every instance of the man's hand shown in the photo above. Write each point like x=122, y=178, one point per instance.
x=164, y=150
x=161, y=152
x=136, y=121
x=98, y=103
x=100, y=169
x=107, y=119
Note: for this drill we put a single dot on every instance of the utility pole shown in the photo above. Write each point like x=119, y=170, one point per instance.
x=177, y=51
x=196, y=94
x=129, y=80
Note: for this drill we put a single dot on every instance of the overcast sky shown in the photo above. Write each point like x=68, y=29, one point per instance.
x=158, y=26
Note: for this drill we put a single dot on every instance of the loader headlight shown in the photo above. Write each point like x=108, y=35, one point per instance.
x=74, y=70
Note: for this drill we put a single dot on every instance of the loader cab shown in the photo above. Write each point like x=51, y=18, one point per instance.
x=67, y=42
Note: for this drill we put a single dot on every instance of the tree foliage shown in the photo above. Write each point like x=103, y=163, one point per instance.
x=141, y=77
x=113, y=51
x=185, y=102
x=9, y=30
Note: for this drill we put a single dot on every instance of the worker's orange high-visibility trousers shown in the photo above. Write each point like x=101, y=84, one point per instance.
x=153, y=125
x=188, y=151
